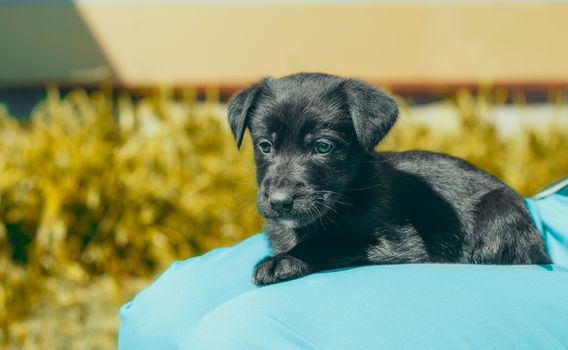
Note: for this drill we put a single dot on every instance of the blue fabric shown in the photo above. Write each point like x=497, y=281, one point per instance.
x=208, y=302
x=550, y=215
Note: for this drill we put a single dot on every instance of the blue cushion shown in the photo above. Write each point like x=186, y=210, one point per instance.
x=208, y=302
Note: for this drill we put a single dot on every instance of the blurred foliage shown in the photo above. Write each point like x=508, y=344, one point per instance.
x=96, y=186
x=89, y=186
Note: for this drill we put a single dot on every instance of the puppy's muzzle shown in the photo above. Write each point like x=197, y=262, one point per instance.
x=281, y=201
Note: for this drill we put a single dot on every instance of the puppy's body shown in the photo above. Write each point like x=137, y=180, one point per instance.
x=330, y=201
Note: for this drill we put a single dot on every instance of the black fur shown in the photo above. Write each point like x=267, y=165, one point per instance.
x=352, y=206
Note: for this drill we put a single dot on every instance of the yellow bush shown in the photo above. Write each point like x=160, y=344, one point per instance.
x=88, y=186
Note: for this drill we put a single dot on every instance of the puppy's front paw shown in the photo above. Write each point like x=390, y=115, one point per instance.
x=279, y=268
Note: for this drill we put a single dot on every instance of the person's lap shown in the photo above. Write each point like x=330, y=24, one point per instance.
x=410, y=307
x=208, y=302
x=161, y=315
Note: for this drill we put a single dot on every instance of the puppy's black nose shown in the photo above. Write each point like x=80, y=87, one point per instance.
x=281, y=202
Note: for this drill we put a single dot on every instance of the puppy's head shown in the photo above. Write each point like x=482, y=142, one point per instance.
x=310, y=133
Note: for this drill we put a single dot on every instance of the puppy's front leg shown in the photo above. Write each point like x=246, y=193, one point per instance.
x=279, y=268
x=309, y=256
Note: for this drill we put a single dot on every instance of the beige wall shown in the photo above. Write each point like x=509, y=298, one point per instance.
x=176, y=43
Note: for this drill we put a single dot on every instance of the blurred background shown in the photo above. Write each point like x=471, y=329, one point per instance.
x=115, y=156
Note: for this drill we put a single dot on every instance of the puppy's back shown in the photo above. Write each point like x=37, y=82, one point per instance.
x=446, y=174
x=487, y=219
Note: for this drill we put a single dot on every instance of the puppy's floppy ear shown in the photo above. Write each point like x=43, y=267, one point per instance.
x=373, y=112
x=240, y=107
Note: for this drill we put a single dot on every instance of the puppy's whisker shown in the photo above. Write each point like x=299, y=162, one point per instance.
x=341, y=202
x=331, y=209
x=322, y=203
x=318, y=213
x=326, y=192
x=364, y=188
x=313, y=213
x=334, y=201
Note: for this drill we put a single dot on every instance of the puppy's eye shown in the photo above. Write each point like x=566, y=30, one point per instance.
x=265, y=146
x=322, y=147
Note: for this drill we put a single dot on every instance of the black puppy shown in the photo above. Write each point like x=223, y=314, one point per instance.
x=330, y=201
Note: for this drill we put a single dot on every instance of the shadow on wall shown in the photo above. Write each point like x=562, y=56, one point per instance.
x=44, y=41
